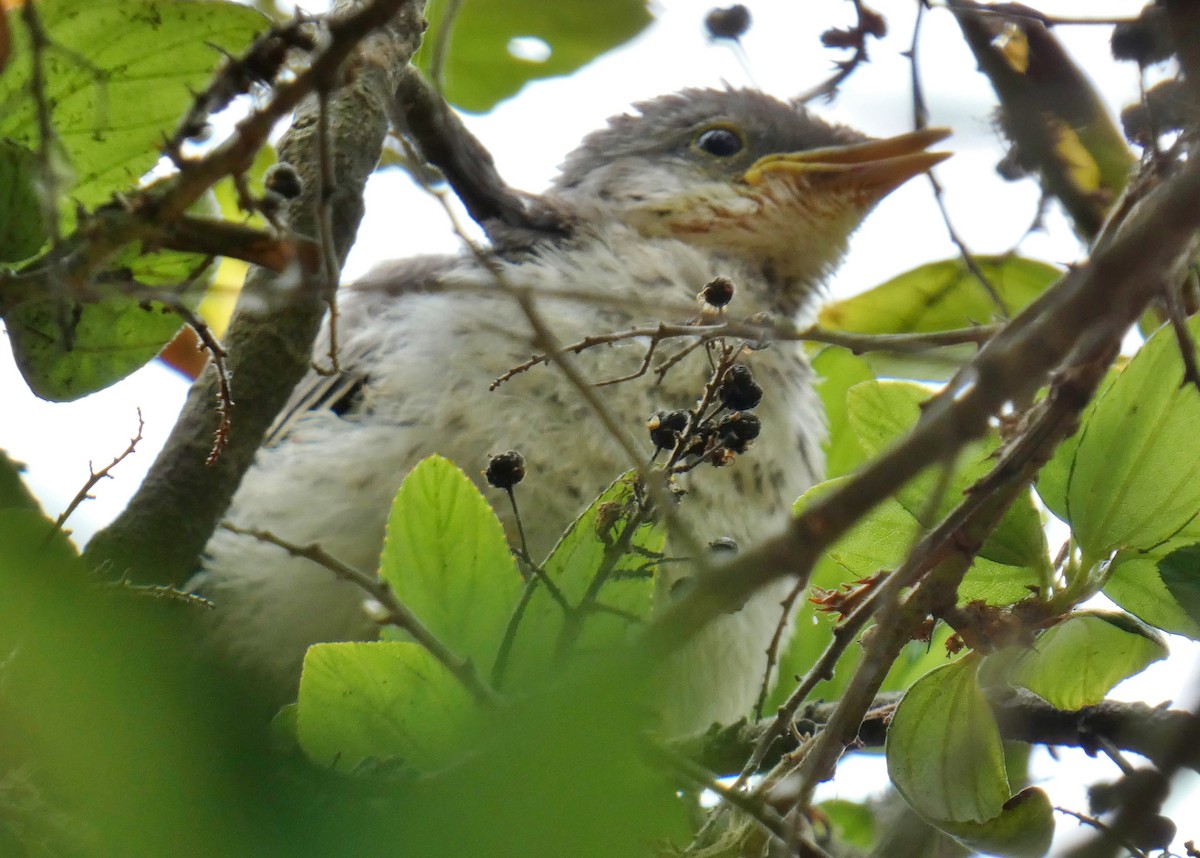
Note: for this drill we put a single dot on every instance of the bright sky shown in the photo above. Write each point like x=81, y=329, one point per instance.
x=530, y=134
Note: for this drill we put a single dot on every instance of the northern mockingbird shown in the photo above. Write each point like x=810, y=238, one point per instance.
x=693, y=186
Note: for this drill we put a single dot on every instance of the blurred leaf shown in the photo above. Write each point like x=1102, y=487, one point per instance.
x=941, y=296
x=944, y=752
x=1078, y=661
x=881, y=412
x=560, y=771
x=1138, y=583
x=1023, y=829
x=119, y=729
x=14, y=494
x=380, y=701
x=484, y=63
x=118, y=79
x=66, y=351
x=22, y=232
x=837, y=371
x=853, y=823
x=446, y=558
x=1135, y=477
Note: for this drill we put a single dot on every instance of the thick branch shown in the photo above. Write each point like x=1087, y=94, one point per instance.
x=508, y=216
x=1150, y=731
x=162, y=532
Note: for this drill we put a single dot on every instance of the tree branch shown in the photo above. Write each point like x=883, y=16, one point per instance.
x=1151, y=731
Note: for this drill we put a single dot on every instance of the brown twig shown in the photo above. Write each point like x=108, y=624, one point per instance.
x=704, y=333
x=95, y=477
x=1105, y=832
x=921, y=120
x=396, y=613
x=776, y=642
x=869, y=23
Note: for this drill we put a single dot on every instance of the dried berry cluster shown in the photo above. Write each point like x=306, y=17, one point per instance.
x=695, y=437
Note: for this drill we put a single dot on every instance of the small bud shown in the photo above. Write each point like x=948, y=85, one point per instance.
x=728, y=23
x=739, y=391
x=665, y=427
x=505, y=470
x=717, y=292
x=737, y=430
x=282, y=179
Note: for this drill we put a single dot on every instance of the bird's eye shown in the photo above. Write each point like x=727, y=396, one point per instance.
x=721, y=142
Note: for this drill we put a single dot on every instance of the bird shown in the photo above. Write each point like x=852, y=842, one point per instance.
x=728, y=186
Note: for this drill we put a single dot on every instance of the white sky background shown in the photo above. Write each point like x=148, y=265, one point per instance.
x=530, y=134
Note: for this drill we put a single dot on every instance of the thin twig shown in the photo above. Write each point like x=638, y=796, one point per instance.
x=775, y=644
x=1104, y=830
x=920, y=119
x=767, y=818
x=96, y=476
x=1017, y=12
x=857, y=343
x=397, y=613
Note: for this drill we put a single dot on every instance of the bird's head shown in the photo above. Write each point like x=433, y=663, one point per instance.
x=743, y=174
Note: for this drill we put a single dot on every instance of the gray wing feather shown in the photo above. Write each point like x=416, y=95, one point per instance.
x=340, y=391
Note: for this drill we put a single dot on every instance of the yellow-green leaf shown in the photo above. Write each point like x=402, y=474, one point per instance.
x=941, y=296
x=1135, y=477
x=1138, y=582
x=944, y=752
x=1023, y=829
x=446, y=558
x=380, y=700
x=1076, y=663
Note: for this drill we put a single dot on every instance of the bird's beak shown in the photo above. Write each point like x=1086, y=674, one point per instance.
x=875, y=168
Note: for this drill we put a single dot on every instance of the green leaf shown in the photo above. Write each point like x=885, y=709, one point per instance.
x=944, y=752
x=382, y=700
x=881, y=412
x=446, y=558
x=1055, y=477
x=1135, y=479
x=66, y=351
x=1138, y=582
x=837, y=371
x=481, y=67
x=118, y=79
x=1076, y=663
x=1023, y=829
x=591, y=547
x=22, y=232
x=941, y=296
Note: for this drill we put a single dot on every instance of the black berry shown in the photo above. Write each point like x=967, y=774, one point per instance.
x=505, y=470
x=739, y=391
x=665, y=427
x=717, y=292
x=282, y=179
x=729, y=23
x=737, y=430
